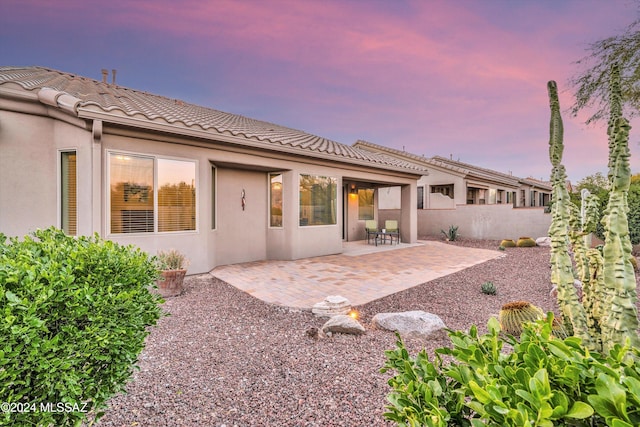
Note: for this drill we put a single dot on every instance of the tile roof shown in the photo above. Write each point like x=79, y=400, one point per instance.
x=76, y=94
x=469, y=170
x=482, y=173
x=375, y=148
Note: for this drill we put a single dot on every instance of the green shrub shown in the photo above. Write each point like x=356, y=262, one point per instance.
x=75, y=313
x=452, y=234
x=488, y=288
x=544, y=381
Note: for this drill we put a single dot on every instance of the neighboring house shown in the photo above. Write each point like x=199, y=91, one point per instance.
x=92, y=156
x=483, y=203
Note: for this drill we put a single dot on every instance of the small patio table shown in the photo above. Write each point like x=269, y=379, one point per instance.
x=382, y=236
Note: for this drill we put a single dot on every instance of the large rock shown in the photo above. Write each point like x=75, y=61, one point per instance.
x=411, y=323
x=331, y=306
x=543, y=241
x=343, y=324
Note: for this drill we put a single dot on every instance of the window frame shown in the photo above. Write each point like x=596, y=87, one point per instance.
x=334, y=182
x=270, y=176
x=61, y=194
x=155, y=158
x=373, y=204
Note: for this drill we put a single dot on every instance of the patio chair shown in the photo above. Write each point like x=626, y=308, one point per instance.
x=391, y=226
x=371, y=227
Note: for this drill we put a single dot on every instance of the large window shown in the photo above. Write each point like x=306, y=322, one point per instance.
x=365, y=203
x=275, y=200
x=68, y=193
x=318, y=200
x=138, y=205
x=176, y=195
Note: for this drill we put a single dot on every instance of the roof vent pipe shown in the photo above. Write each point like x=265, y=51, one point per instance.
x=113, y=76
x=105, y=73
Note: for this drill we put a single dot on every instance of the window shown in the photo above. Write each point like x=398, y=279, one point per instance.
x=420, y=197
x=139, y=206
x=365, y=203
x=318, y=200
x=476, y=196
x=176, y=195
x=275, y=200
x=68, y=193
x=446, y=190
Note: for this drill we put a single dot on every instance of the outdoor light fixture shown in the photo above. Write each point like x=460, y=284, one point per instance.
x=353, y=189
x=354, y=314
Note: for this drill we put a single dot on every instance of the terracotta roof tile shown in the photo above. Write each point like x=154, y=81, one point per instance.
x=119, y=100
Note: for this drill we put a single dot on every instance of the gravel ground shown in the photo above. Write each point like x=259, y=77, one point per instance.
x=224, y=358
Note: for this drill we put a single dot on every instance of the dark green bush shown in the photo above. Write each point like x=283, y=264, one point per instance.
x=75, y=313
x=543, y=382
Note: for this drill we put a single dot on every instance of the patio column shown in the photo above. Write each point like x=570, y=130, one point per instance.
x=409, y=213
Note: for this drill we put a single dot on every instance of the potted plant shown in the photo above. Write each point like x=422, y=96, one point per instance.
x=173, y=267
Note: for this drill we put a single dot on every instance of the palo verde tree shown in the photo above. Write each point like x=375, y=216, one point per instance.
x=591, y=85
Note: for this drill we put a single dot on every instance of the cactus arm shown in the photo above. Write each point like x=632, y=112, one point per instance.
x=621, y=322
x=561, y=265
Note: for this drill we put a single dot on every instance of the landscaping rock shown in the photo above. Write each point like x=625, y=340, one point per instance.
x=331, y=306
x=343, y=324
x=543, y=241
x=411, y=323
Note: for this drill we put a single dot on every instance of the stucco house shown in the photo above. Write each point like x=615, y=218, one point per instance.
x=93, y=156
x=483, y=203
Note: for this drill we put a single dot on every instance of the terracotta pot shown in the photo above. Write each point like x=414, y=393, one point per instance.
x=171, y=286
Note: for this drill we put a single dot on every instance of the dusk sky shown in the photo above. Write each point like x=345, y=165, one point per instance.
x=456, y=78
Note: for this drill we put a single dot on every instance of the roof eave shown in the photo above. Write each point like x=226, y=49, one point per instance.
x=145, y=124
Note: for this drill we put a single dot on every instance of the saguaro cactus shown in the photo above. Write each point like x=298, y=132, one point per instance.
x=621, y=320
x=561, y=265
x=608, y=315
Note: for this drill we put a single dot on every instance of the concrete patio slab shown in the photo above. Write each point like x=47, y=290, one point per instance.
x=361, y=274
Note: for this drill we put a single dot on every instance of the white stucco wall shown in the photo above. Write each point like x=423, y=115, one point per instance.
x=492, y=222
x=30, y=149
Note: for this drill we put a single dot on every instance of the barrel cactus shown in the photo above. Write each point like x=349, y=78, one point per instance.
x=513, y=315
x=508, y=243
x=525, y=242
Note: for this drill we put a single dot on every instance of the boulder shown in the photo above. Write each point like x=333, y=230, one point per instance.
x=543, y=241
x=331, y=306
x=343, y=324
x=411, y=323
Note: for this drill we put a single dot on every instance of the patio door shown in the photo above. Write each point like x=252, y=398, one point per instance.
x=242, y=216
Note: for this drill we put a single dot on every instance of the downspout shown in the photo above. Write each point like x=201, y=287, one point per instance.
x=96, y=178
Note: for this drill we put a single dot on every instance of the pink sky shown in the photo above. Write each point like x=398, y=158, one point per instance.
x=456, y=78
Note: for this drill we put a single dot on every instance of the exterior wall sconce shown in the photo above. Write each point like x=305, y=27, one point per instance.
x=353, y=190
